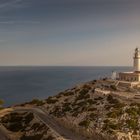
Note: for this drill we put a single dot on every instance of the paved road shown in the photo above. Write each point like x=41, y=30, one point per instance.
x=59, y=130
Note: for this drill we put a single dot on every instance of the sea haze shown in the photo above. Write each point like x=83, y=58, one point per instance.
x=21, y=84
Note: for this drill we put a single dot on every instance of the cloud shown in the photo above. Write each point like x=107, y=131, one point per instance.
x=7, y=22
x=19, y=22
x=11, y=4
x=3, y=5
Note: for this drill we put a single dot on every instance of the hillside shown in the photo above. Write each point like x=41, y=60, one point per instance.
x=100, y=109
x=25, y=126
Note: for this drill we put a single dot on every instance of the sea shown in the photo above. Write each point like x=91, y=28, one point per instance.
x=19, y=84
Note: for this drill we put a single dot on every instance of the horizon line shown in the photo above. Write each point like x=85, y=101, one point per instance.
x=66, y=66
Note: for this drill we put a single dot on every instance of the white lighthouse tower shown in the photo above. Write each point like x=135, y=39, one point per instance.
x=137, y=60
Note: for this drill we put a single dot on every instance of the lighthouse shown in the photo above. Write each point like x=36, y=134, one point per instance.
x=137, y=60
x=134, y=76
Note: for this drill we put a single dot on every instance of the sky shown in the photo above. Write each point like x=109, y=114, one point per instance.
x=69, y=32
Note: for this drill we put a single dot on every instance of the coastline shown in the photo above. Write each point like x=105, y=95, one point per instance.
x=21, y=84
x=89, y=112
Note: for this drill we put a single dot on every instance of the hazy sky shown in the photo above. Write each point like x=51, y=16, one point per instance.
x=69, y=32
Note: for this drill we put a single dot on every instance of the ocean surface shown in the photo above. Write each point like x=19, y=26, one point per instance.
x=21, y=84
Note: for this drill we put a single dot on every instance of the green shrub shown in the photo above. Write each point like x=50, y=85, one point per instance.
x=112, y=115
x=35, y=126
x=82, y=96
x=99, y=98
x=135, y=104
x=132, y=123
x=113, y=87
x=84, y=123
x=84, y=91
x=56, y=111
x=108, y=107
x=37, y=102
x=66, y=109
x=133, y=111
x=112, y=100
x=14, y=127
x=68, y=93
x=91, y=102
x=15, y=121
x=50, y=100
x=87, y=87
x=75, y=114
x=118, y=105
x=109, y=126
x=28, y=118
x=93, y=116
x=93, y=90
x=92, y=109
x=1, y=104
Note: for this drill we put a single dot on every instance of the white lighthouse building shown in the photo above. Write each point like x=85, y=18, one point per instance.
x=135, y=75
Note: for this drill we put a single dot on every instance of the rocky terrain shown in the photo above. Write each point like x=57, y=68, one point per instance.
x=100, y=109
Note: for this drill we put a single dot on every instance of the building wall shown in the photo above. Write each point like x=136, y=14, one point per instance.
x=129, y=77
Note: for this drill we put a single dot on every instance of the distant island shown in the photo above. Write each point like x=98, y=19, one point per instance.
x=104, y=109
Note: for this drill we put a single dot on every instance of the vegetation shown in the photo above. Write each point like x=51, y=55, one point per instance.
x=50, y=100
x=93, y=116
x=132, y=111
x=92, y=109
x=15, y=121
x=84, y=91
x=112, y=100
x=110, y=126
x=114, y=114
x=99, y=98
x=37, y=102
x=91, y=101
x=85, y=123
x=108, y=113
x=1, y=104
x=87, y=87
x=83, y=94
x=132, y=123
x=113, y=87
x=68, y=93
